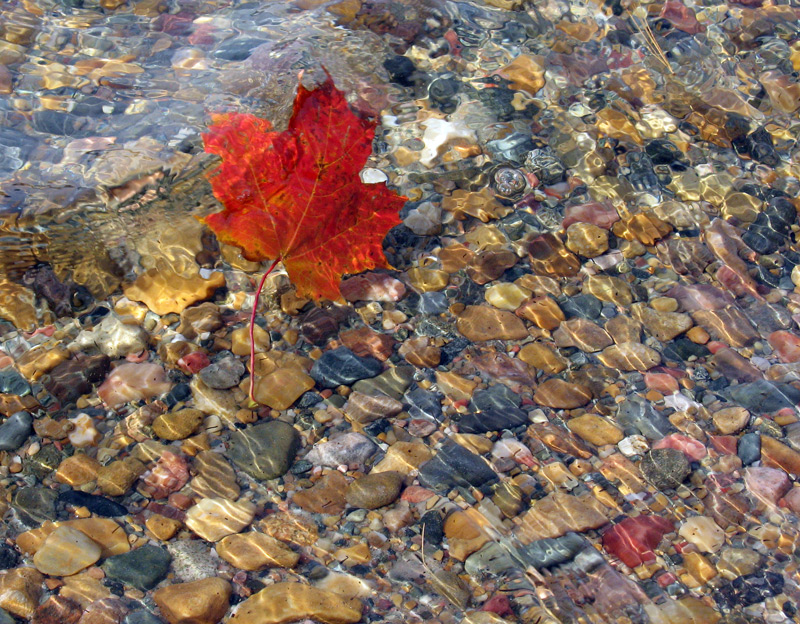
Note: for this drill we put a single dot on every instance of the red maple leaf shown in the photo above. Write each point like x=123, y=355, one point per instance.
x=296, y=196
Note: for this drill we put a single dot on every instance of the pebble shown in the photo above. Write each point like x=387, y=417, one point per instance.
x=265, y=451
x=703, y=532
x=254, y=551
x=133, y=382
x=223, y=374
x=665, y=468
x=374, y=490
x=142, y=568
x=178, y=425
x=15, y=430
x=200, y=602
x=341, y=366
x=480, y=323
x=291, y=601
x=215, y=518
x=557, y=514
x=560, y=394
x=350, y=448
x=326, y=496
x=281, y=388
x=630, y=356
x=65, y=552
x=595, y=429
x=20, y=591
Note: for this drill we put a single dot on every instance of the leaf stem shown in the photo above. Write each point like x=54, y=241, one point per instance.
x=252, y=328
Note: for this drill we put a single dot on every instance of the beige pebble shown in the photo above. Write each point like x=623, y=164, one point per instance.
x=215, y=518
x=65, y=552
x=199, y=602
x=253, y=551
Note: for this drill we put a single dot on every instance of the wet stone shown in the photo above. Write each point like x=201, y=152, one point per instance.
x=423, y=404
x=374, y=490
x=548, y=552
x=265, y=451
x=141, y=568
x=764, y=396
x=199, y=602
x=343, y=367
x=15, y=430
x=665, y=468
x=350, y=448
x=34, y=505
x=222, y=374
x=98, y=505
x=11, y=382
x=748, y=448
x=454, y=466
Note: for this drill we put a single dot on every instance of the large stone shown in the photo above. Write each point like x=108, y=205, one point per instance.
x=200, y=602
x=253, y=551
x=480, y=323
x=703, y=532
x=282, y=387
x=374, y=490
x=265, y=451
x=343, y=367
x=560, y=394
x=214, y=476
x=665, y=468
x=326, y=496
x=582, y=334
x=178, y=425
x=15, y=430
x=142, y=568
x=164, y=291
x=662, y=325
x=288, y=602
x=20, y=590
x=556, y=514
x=595, y=429
x=630, y=356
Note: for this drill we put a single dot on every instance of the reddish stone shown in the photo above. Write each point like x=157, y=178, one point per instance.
x=725, y=445
x=792, y=500
x=633, y=540
x=169, y=475
x=364, y=341
x=693, y=449
x=786, y=345
x=417, y=494
x=767, y=484
x=666, y=579
x=57, y=610
x=661, y=382
x=601, y=214
x=499, y=604
x=193, y=363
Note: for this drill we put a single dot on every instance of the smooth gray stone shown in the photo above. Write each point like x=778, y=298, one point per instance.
x=265, y=451
x=15, y=430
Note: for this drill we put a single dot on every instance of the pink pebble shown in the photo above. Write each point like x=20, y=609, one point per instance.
x=725, y=445
x=693, y=449
x=601, y=214
x=682, y=17
x=786, y=345
x=767, y=484
x=193, y=363
x=792, y=500
x=498, y=604
x=372, y=287
x=133, y=382
x=661, y=382
x=416, y=494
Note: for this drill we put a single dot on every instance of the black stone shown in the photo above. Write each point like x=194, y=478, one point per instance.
x=11, y=382
x=423, y=403
x=341, y=366
x=432, y=527
x=496, y=397
x=456, y=466
x=681, y=349
x=236, y=49
x=401, y=70
x=142, y=568
x=492, y=420
x=99, y=505
x=750, y=589
x=663, y=152
x=582, y=306
x=443, y=94
x=764, y=396
x=9, y=558
x=748, y=448
x=665, y=468
x=449, y=351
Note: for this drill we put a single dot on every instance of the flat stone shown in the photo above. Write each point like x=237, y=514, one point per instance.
x=15, y=430
x=288, y=602
x=703, y=532
x=253, y=551
x=343, y=367
x=560, y=394
x=116, y=478
x=595, y=429
x=404, y=458
x=34, y=505
x=480, y=323
x=607, y=288
x=133, y=382
x=455, y=466
x=282, y=387
x=65, y=552
x=265, y=451
x=142, y=568
x=77, y=470
x=200, y=602
x=663, y=326
x=506, y=296
x=56, y=610
x=214, y=476
x=542, y=356
x=223, y=374
x=178, y=425
x=374, y=490
x=767, y=485
x=557, y=514
x=730, y=419
x=630, y=356
x=20, y=590
x=215, y=518
x=637, y=413
x=112, y=337
x=775, y=454
x=764, y=396
x=587, y=239
x=665, y=468
x=582, y=334
x=364, y=408
x=542, y=311
x=165, y=291
x=326, y=496
x=623, y=328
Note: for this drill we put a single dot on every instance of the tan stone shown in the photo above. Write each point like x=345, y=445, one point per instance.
x=542, y=312
x=542, y=356
x=506, y=296
x=294, y=528
x=663, y=326
x=560, y=394
x=326, y=496
x=558, y=513
x=106, y=532
x=178, y=425
x=214, y=476
x=775, y=454
x=404, y=457
x=687, y=610
x=482, y=205
x=703, y=532
x=595, y=429
x=17, y=305
x=456, y=387
x=730, y=420
x=699, y=567
x=164, y=291
x=428, y=280
x=549, y=257
x=253, y=551
x=161, y=527
x=40, y=360
x=526, y=73
x=77, y=470
x=479, y=323
x=623, y=328
x=66, y=551
x=215, y=518
x=286, y=602
x=240, y=340
x=118, y=477
x=630, y=356
x=583, y=334
x=607, y=288
x=199, y=602
x=20, y=590
x=464, y=533
x=354, y=555
x=282, y=387
x=587, y=239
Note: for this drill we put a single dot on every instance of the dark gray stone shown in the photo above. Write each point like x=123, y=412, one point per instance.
x=764, y=396
x=142, y=568
x=456, y=466
x=342, y=367
x=11, y=382
x=637, y=413
x=265, y=451
x=548, y=552
x=665, y=468
x=433, y=303
x=391, y=382
x=15, y=430
x=748, y=448
x=34, y=505
x=423, y=403
x=491, y=560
